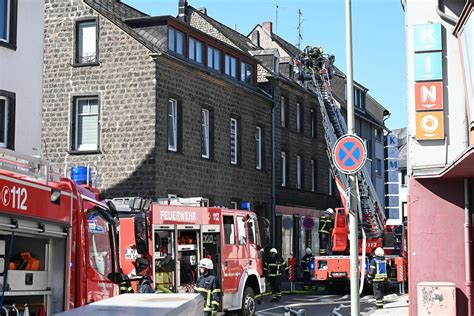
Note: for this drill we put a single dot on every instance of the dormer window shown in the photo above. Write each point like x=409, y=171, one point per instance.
x=195, y=50
x=231, y=66
x=175, y=41
x=246, y=73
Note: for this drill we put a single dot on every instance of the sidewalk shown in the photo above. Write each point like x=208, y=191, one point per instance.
x=394, y=305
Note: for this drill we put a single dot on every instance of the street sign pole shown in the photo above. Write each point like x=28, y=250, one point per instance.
x=353, y=239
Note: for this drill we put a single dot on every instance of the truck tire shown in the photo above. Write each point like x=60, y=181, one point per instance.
x=249, y=305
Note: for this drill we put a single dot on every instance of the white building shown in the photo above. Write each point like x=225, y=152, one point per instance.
x=21, y=74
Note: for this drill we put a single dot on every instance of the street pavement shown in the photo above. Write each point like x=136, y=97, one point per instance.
x=328, y=304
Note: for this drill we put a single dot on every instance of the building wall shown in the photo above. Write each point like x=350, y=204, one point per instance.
x=22, y=72
x=125, y=82
x=436, y=237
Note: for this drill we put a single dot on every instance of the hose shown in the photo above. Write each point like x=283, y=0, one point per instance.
x=7, y=263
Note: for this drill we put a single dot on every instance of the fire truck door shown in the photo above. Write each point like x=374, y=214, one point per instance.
x=230, y=260
x=211, y=246
x=164, y=258
x=188, y=254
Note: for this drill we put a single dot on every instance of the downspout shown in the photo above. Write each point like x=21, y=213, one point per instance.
x=451, y=20
x=467, y=244
x=273, y=210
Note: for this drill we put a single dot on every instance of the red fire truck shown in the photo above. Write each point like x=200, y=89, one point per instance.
x=173, y=236
x=57, y=241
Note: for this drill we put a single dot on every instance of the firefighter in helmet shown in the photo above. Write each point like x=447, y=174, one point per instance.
x=305, y=267
x=326, y=225
x=126, y=287
x=274, y=267
x=378, y=275
x=208, y=286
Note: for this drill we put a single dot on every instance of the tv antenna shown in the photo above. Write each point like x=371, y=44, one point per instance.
x=300, y=22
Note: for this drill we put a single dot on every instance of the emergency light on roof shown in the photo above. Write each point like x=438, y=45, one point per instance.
x=245, y=206
x=80, y=175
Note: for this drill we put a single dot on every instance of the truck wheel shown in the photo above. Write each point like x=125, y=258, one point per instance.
x=249, y=306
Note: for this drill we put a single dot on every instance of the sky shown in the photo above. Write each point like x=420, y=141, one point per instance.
x=378, y=36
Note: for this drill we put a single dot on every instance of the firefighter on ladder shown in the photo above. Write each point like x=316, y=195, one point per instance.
x=378, y=275
x=208, y=286
x=274, y=267
x=305, y=266
x=326, y=225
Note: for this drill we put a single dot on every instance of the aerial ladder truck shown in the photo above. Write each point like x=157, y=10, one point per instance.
x=334, y=270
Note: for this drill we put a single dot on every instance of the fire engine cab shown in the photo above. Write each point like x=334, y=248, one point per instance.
x=180, y=232
x=57, y=241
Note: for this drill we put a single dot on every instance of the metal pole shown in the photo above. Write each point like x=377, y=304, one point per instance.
x=354, y=249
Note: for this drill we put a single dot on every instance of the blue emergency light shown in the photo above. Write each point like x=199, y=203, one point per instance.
x=245, y=205
x=79, y=174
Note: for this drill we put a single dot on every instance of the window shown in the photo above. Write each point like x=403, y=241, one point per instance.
x=378, y=167
x=172, y=125
x=246, y=73
x=7, y=119
x=86, y=124
x=359, y=99
x=100, y=243
x=298, y=118
x=8, y=9
x=234, y=205
x=313, y=175
x=331, y=184
x=404, y=178
x=86, y=41
x=233, y=141
x=205, y=134
x=378, y=134
x=276, y=64
x=229, y=230
x=214, y=58
x=175, y=41
x=242, y=230
x=258, y=148
x=298, y=172
x=252, y=232
x=283, y=111
x=368, y=146
x=283, y=169
x=313, y=123
x=231, y=66
x=195, y=50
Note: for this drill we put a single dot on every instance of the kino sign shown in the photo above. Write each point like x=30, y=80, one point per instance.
x=429, y=81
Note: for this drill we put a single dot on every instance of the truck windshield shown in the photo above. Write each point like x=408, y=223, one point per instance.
x=100, y=243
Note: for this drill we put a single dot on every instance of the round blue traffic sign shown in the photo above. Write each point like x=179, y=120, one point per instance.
x=349, y=154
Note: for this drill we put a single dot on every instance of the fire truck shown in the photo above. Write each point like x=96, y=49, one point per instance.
x=172, y=235
x=58, y=242
x=334, y=271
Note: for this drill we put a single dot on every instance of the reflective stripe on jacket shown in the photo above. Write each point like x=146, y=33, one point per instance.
x=208, y=286
x=275, y=266
x=325, y=224
x=378, y=269
x=305, y=262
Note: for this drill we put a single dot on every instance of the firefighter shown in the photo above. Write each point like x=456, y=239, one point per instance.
x=208, y=286
x=378, y=275
x=305, y=267
x=126, y=287
x=274, y=267
x=325, y=229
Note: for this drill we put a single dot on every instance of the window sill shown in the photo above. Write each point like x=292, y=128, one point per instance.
x=84, y=152
x=76, y=65
x=8, y=45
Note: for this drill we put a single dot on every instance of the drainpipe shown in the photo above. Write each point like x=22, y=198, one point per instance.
x=451, y=20
x=273, y=210
x=467, y=244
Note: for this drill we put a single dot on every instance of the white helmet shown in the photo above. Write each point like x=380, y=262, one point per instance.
x=309, y=251
x=206, y=263
x=273, y=250
x=379, y=252
x=330, y=211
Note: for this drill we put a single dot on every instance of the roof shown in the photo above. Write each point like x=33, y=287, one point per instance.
x=289, y=48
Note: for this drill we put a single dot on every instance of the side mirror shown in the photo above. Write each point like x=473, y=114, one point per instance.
x=117, y=277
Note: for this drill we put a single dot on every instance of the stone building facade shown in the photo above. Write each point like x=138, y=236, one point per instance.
x=164, y=121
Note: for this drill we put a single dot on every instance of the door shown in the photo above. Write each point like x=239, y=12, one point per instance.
x=230, y=260
x=164, y=258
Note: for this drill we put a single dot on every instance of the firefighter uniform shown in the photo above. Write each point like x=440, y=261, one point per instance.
x=305, y=267
x=274, y=267
x=378, y=276
x=326, y=225
x=126, y=287
x=208, y=286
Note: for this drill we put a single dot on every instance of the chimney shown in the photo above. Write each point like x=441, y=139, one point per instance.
x=268, y=27
x=182, y=13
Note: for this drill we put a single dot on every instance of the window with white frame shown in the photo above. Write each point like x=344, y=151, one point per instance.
x=313, y=175
x=172, y=125
x=258, y=148
x=298, y=117
x=246, y=73
x=86, y=39
x=231, y=66
x=214, y=58
x=205, y=134
x=4, y=104
x=313, y=123
x=299, y=171
x=86, y=123
x=176, y=41
x=283, y=168
x=195, y=50
x=283, y=111
x=233, y=141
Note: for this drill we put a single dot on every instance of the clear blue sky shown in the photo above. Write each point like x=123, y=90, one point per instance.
x=378, y=36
